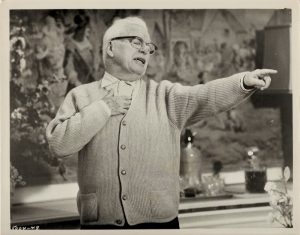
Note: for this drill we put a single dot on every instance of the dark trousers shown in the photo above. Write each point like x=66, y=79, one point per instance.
x=173, y=224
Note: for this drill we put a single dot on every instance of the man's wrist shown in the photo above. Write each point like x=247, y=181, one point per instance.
x=244, y=86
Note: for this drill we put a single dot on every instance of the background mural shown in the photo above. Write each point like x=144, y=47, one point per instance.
x=53, y=51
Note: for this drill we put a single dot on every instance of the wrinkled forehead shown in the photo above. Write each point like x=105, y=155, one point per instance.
x=131, y=29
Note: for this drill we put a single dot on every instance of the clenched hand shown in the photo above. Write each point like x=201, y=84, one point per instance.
x=117, y=104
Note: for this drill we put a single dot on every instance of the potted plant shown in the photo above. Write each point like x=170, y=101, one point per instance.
x=281, y=201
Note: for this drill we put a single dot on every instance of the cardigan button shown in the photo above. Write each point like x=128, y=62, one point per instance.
x=123, y=146
x=119, y=221
x=124, y=197
x=124, y=123
x=123, y=172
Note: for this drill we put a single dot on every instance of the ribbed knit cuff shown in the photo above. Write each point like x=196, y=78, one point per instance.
x=242, y=85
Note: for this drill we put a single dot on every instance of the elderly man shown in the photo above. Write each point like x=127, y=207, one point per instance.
x=126, y=130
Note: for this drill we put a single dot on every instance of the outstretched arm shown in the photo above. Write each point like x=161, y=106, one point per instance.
x=187, y=105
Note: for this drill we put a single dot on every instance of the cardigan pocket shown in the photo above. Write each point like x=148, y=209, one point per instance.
x=163, y=204
x=88, y=207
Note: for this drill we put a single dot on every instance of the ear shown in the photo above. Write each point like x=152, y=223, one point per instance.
x=109, y=50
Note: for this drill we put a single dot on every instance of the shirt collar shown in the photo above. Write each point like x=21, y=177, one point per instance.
x=109, y=79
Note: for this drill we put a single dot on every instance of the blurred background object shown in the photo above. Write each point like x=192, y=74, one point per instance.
x=255, y=172
x=190, y=165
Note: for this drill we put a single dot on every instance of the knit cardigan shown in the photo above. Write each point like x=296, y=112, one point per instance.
x=128, y=165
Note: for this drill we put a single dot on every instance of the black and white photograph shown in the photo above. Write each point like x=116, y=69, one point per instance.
x=136, y=118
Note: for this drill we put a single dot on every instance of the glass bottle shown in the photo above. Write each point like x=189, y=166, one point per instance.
x=255, y=173
x=190, y=164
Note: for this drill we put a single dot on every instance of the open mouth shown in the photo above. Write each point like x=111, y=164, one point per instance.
x=140, y=60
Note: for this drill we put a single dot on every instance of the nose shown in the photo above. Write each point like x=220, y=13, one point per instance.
x=144, y=49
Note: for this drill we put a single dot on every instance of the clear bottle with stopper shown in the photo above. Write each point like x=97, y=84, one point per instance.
x=190, y=166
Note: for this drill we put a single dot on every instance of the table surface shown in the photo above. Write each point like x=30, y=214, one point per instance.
x=66, y=210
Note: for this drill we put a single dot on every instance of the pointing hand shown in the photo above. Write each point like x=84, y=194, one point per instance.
x=259, y=78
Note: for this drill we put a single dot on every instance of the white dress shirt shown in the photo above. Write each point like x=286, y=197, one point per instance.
x=119, y=87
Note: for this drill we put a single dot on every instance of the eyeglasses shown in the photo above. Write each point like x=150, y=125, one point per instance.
x=138, y=43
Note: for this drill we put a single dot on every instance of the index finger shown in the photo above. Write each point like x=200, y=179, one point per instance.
x=266, y=71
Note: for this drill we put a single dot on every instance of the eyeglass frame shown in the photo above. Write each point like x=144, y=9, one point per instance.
x=140, y=39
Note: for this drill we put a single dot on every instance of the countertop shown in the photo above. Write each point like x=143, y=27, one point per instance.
x=65, y=211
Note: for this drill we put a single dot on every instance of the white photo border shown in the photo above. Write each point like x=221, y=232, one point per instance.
x=7, y=5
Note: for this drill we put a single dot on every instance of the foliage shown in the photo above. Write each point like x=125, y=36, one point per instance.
x=15, y=179
x=30, y=107
x=281, y=201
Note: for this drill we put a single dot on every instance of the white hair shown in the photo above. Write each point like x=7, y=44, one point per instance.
x=122, y=27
